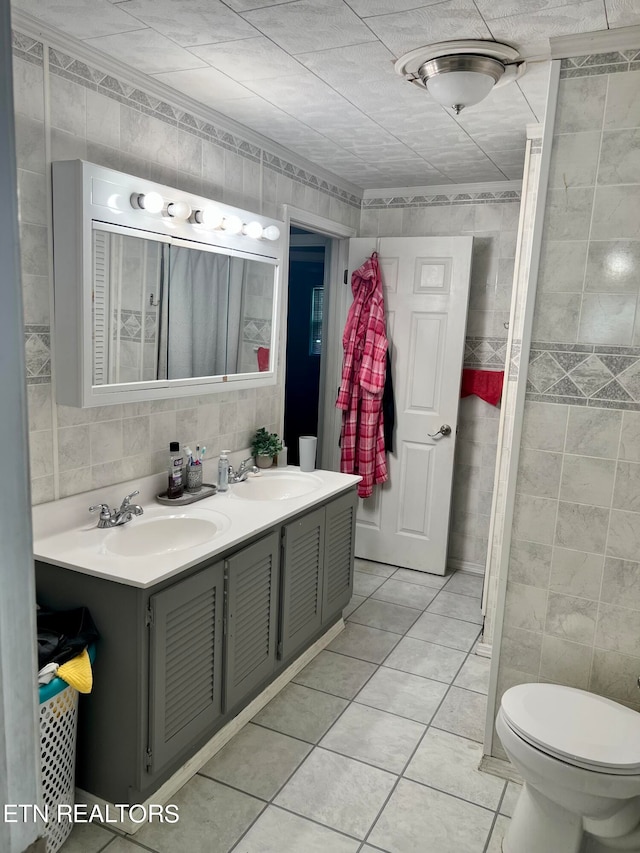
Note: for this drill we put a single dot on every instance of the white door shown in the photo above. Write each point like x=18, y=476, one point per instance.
x=426, y=288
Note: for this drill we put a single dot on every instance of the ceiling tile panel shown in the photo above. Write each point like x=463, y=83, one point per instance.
x=404, y=31
x=81, y=18
x=247, y=5
x=491, y=9
x=153, y=52
x=366, y=8
x=534, y=86
x=195, y=22
x=528, y=32
x=622, y=13
x=357, y=65
x=207, y=85
x=308, y=25
x=249, y=59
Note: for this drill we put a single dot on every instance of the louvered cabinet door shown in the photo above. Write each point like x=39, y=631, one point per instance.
x=303, y=560
x=252, y=618
x=185, y=691
x=339, y=539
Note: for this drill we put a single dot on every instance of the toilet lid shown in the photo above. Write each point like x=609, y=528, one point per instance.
x=579, y=727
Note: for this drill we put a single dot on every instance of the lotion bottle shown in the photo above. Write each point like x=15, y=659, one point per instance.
x=175, y=485
x=223, y=471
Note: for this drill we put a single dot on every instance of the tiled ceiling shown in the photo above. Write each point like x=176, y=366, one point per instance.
x=317, y=76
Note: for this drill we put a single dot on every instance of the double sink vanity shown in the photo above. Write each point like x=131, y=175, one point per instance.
x=199, y=608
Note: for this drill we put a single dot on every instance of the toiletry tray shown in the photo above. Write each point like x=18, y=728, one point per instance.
x=207, y=490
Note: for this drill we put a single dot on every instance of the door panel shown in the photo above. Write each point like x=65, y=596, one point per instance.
x=426, y=286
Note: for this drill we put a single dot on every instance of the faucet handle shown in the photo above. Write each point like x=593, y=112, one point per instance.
x=127, y=499
x=105, y=511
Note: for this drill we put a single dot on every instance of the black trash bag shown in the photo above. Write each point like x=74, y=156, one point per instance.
x=63, y=634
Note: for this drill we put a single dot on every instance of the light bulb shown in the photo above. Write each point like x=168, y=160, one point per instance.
x=210, y=216
x=253, y=230
x=179, y=210
x=232, y=224
x=151, y=202
x=271, y=232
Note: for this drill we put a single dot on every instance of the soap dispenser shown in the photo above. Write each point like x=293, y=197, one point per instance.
x=223, y=471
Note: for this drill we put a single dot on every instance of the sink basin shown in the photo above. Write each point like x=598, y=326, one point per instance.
x=276, y=486
x=164, y=534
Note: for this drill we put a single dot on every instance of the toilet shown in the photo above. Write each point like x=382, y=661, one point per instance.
x=579, y=756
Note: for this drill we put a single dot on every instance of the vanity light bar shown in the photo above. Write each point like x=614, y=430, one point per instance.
x=210, y=216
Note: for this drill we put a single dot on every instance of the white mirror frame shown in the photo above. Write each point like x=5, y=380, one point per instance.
x=85, y=194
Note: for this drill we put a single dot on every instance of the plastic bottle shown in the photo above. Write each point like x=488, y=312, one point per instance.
x=223, y=471
x=175, y=486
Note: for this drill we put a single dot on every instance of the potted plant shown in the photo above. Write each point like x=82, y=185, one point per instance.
x=265, y=446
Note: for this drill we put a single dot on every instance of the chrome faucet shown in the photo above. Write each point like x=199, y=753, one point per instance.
x=243, y=471
x=115, y=517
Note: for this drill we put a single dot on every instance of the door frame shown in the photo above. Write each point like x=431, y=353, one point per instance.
x=329, y=418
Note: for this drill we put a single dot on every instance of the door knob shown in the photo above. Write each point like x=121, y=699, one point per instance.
x=445, y=429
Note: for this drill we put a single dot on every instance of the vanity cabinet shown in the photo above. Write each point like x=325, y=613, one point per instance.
x=178, y=660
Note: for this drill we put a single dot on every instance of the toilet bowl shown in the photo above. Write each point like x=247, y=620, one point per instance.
x=579, y=756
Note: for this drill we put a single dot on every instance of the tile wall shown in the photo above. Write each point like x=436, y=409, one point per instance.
x=573, y=597
x=492, y=219
x=65, y=110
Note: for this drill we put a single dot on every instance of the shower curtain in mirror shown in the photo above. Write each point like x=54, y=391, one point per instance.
x=202, y=314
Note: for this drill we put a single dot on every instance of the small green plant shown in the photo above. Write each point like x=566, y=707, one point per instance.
x=265, y=443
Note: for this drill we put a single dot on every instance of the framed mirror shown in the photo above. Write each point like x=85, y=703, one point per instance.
x=150, y=304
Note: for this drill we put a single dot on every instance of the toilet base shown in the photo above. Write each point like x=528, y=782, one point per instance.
x=539, y=825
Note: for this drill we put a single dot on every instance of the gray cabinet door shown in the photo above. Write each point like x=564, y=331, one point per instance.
x=339, y=539
x=303, y=560
x=252, y=614
x=185, y=657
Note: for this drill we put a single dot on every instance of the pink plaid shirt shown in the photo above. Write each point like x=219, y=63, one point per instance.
x=363, y=375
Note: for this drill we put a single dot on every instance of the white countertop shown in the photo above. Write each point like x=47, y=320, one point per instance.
x=66, y=535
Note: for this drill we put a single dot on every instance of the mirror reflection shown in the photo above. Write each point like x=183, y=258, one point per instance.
x=167, y=311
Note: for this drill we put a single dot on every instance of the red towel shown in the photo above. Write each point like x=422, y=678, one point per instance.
x=263, y=359
x=486, y=384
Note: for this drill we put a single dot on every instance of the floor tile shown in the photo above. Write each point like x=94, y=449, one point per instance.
x=444, y=631
x=426, y=659
x=374, y=736
x=510, y=798
x=301, y=712
x=277, y=831
x=337, y=674
x=474, y=674
x=257, y=760
x=356, y=601
x=212, y=818
x=415, y=813
x=120, y=845
x=402, y=693
x=86, y=838
x=386, y=616
x=365, y=584
x=337, y=791
x=464, y=583
x=374, y=568
x=457, y=606
x=463, y=713
x=498, y=834
x=364, y=643
x=408, y=594
x=450, y=763
x=421, y=578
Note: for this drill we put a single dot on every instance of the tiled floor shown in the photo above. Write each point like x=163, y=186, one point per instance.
x=374, y=746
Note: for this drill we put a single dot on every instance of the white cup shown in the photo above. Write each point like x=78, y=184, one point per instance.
x=308, y=445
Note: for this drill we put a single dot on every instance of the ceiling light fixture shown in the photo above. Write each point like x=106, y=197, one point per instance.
x=459, y=74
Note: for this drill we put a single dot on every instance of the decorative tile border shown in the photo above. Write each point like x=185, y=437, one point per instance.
x=37, y=344
x=63, y=65
x=489, y=353
x=441, y=199
x=585, y=375
x=131, y=325
x=600, y=63
x=257, y=331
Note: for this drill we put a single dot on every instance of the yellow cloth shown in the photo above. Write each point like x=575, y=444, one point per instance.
x=77, y=672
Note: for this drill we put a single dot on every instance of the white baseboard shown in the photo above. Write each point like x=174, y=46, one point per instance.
x=166, y=791
x=465, y=566
x=501, y=768
x=484, y=650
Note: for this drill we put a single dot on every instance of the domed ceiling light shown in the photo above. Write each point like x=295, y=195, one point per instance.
x=459, y=74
